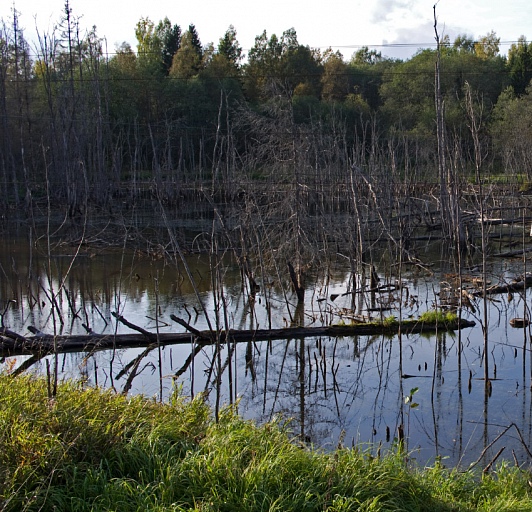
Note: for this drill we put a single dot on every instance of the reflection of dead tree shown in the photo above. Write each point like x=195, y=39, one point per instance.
x=487, y=447
x=26, y=365
x=133, y=368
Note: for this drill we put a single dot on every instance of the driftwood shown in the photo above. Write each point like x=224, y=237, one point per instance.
x=46, y=344
x=515, y=286
x=511, y=254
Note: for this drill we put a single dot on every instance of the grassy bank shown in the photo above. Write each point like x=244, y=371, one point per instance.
x=89, y=449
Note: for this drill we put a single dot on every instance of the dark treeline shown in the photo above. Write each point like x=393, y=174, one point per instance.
x=82, y=128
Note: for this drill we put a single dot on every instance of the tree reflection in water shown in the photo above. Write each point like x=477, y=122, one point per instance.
x=331, y=390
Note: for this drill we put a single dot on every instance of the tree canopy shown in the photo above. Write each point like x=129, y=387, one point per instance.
x=166, y=98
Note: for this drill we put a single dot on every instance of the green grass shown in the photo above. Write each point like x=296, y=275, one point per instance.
x=92, y=450
x=434, y=316
x=390, y=321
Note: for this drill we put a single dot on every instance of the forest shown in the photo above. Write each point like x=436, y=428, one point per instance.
x=312, y=132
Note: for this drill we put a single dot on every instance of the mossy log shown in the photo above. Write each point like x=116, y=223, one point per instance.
x=15, y=344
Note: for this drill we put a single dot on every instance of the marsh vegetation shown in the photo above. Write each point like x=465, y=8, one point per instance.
x=88, y=449
x=295, y=189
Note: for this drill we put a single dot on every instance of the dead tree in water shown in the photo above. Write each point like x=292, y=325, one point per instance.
x=452, y=226
x=279, y=211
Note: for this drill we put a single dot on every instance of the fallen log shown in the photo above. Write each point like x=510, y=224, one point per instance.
x=515, y=286
x=82, y=343
x=511, y=254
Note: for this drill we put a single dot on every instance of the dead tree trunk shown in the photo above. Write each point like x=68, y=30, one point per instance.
x=452, y=226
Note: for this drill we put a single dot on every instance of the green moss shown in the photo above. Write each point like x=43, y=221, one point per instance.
x=434, y=316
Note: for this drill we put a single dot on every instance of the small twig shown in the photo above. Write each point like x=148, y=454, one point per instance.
x=88, y=329
x=486, y=448
x=36, y=331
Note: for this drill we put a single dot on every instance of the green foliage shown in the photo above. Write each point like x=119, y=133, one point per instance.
x=334, y=81
x=464, y=43
x=171, y=40
x=390, y=321
x=229, y=47
x=195, y=40
x=511, y=129
x=90, y=449
x=133, y=111
x=525, y=187
x=281, y=65
x=520, y=65
x=51, y=443
x=409, y=400
x=187, y=61
x=434, y=316
x=487, y=47
x=408, y=90
x=149, y=46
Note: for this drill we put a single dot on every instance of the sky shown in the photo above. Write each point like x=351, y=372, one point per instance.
x=396, y=28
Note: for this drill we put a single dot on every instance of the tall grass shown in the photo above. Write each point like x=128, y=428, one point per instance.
x=89, y=450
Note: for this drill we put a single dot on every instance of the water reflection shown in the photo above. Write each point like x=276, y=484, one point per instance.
x=351, y=389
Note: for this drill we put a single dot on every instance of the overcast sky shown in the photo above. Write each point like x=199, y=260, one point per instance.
x=386, y=25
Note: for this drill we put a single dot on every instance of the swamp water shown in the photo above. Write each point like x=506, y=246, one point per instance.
x=362, y=389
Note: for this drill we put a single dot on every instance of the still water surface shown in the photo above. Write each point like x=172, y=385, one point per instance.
x=350, y=389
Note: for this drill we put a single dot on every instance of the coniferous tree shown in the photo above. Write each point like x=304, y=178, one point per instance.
x=229, y=47
x=170, y=36
x=195, y=40
x=520, y=65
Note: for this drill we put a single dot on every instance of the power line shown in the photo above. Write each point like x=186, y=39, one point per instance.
x=353, y=73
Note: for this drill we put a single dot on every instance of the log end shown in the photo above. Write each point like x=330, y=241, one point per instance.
x=519, y=322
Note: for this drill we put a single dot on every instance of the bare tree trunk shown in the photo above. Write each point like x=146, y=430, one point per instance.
x=450, y=211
